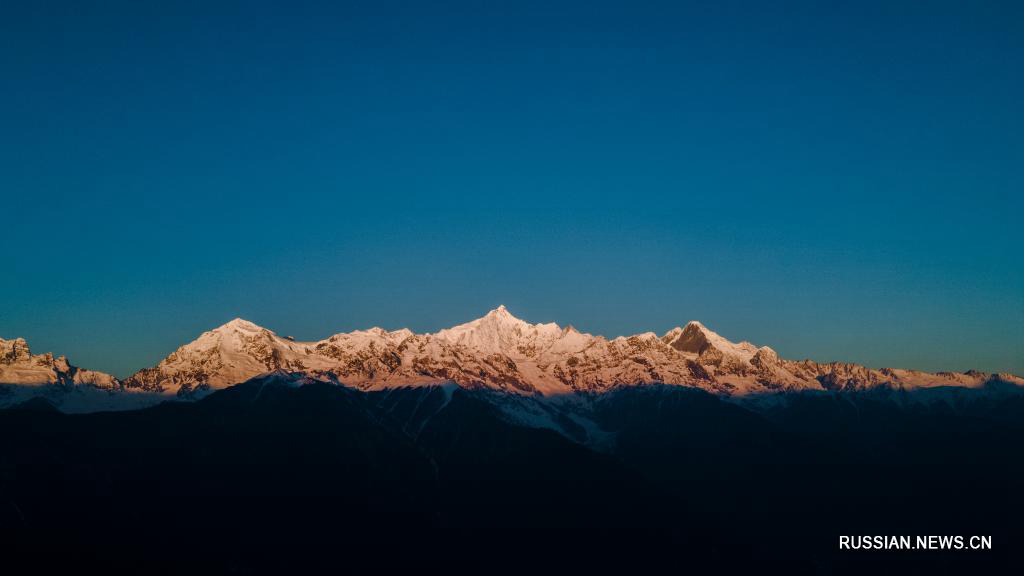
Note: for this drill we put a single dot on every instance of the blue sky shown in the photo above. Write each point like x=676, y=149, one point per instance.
x=838, y=182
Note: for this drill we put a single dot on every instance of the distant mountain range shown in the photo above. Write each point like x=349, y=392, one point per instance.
x=499, y=442
x=497, y=352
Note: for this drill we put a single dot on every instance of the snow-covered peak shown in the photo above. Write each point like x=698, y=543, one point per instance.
x=499, y=332
x=363, y=338
x=696, y=338
x=224, y=356
x=239, y=324
x=499, y=317
x=693, y=338
x=232, y=338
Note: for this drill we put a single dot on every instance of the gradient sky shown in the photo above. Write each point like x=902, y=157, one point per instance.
x=838, y=182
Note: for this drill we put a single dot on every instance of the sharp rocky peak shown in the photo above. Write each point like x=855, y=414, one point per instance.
x=500, y=332
x=694, y=338
x=238, y=324
x=19, y=366
x=501, y=315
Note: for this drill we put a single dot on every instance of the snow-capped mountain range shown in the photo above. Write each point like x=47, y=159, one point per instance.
x=497, y=352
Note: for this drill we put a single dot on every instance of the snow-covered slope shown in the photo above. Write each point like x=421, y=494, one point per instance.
x=497, y=352
x=222, y=357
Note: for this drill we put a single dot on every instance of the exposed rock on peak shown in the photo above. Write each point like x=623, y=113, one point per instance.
x=694, y=338
x=20, y=367
x=13, y=351
x=765, y=356
x=224, y=356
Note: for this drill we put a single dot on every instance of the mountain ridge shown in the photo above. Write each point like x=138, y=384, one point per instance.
x=497, y=352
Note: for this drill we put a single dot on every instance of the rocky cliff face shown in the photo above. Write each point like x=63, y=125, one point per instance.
x=20, y=367
x=28, y=377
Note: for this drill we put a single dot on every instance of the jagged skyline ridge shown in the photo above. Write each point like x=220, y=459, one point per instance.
x=144, y=357
x=497, y=351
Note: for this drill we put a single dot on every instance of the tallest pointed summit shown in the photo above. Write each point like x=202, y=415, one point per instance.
x=500, y=312
x=501, y=315
x=239, y=324
x=499, y=331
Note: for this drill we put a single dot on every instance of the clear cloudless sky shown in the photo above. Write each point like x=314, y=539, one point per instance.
x=841, y=182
